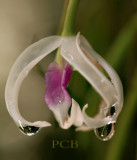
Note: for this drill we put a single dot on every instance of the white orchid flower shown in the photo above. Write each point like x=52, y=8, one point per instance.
x=78, y=55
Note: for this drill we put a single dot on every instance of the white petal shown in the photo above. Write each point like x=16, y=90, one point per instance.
x=112, y=73
x=83, y=128
x=61, y=112
x=74, y=55
x=95, y=122
x=75, y=118
x=76, y=114
x=72, y=52
x=24, y=63
x=68, y=123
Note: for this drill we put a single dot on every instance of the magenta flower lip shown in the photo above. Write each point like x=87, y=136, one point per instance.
x=57, y=98
x=57, y=80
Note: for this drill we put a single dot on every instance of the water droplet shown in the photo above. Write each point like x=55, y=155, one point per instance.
x=59, y=99
x=106, y=132
x=29, y=130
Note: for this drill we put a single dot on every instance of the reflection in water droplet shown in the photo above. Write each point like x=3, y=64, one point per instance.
x=29, y=130
x=112, y=110
x=106, y=132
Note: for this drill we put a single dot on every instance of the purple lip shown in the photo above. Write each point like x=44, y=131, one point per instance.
x=57, y=80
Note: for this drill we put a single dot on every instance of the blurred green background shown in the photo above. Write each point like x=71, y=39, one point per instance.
x=111, y=28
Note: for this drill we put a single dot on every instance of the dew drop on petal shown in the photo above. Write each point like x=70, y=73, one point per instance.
x=29, y=130
x=59, y=99
x=106, y=132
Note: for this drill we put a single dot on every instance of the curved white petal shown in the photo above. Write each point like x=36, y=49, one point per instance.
x=97, y=121
x=76, y=117
x=83, y=128
x=24, y=63
x=75, y=56
x=112, y=73
x=72, y=51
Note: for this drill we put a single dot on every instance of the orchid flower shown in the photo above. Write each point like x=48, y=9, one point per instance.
x=77, y=55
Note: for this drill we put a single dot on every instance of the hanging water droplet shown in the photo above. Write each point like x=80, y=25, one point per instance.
x=106, y=132
x=29, y=130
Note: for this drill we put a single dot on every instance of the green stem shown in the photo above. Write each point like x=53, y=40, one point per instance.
x=69, y=21
x=126, y=118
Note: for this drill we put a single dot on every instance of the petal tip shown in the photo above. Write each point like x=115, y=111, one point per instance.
x=41, y=124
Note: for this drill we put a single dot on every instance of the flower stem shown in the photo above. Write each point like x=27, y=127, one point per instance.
x=69, y=20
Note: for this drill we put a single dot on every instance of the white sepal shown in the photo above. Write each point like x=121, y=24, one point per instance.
x=22, y=66
x=111, y=72
x=95, y=122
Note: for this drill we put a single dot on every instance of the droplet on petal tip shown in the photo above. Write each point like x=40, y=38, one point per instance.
x=29, y=130
x=106, y=132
